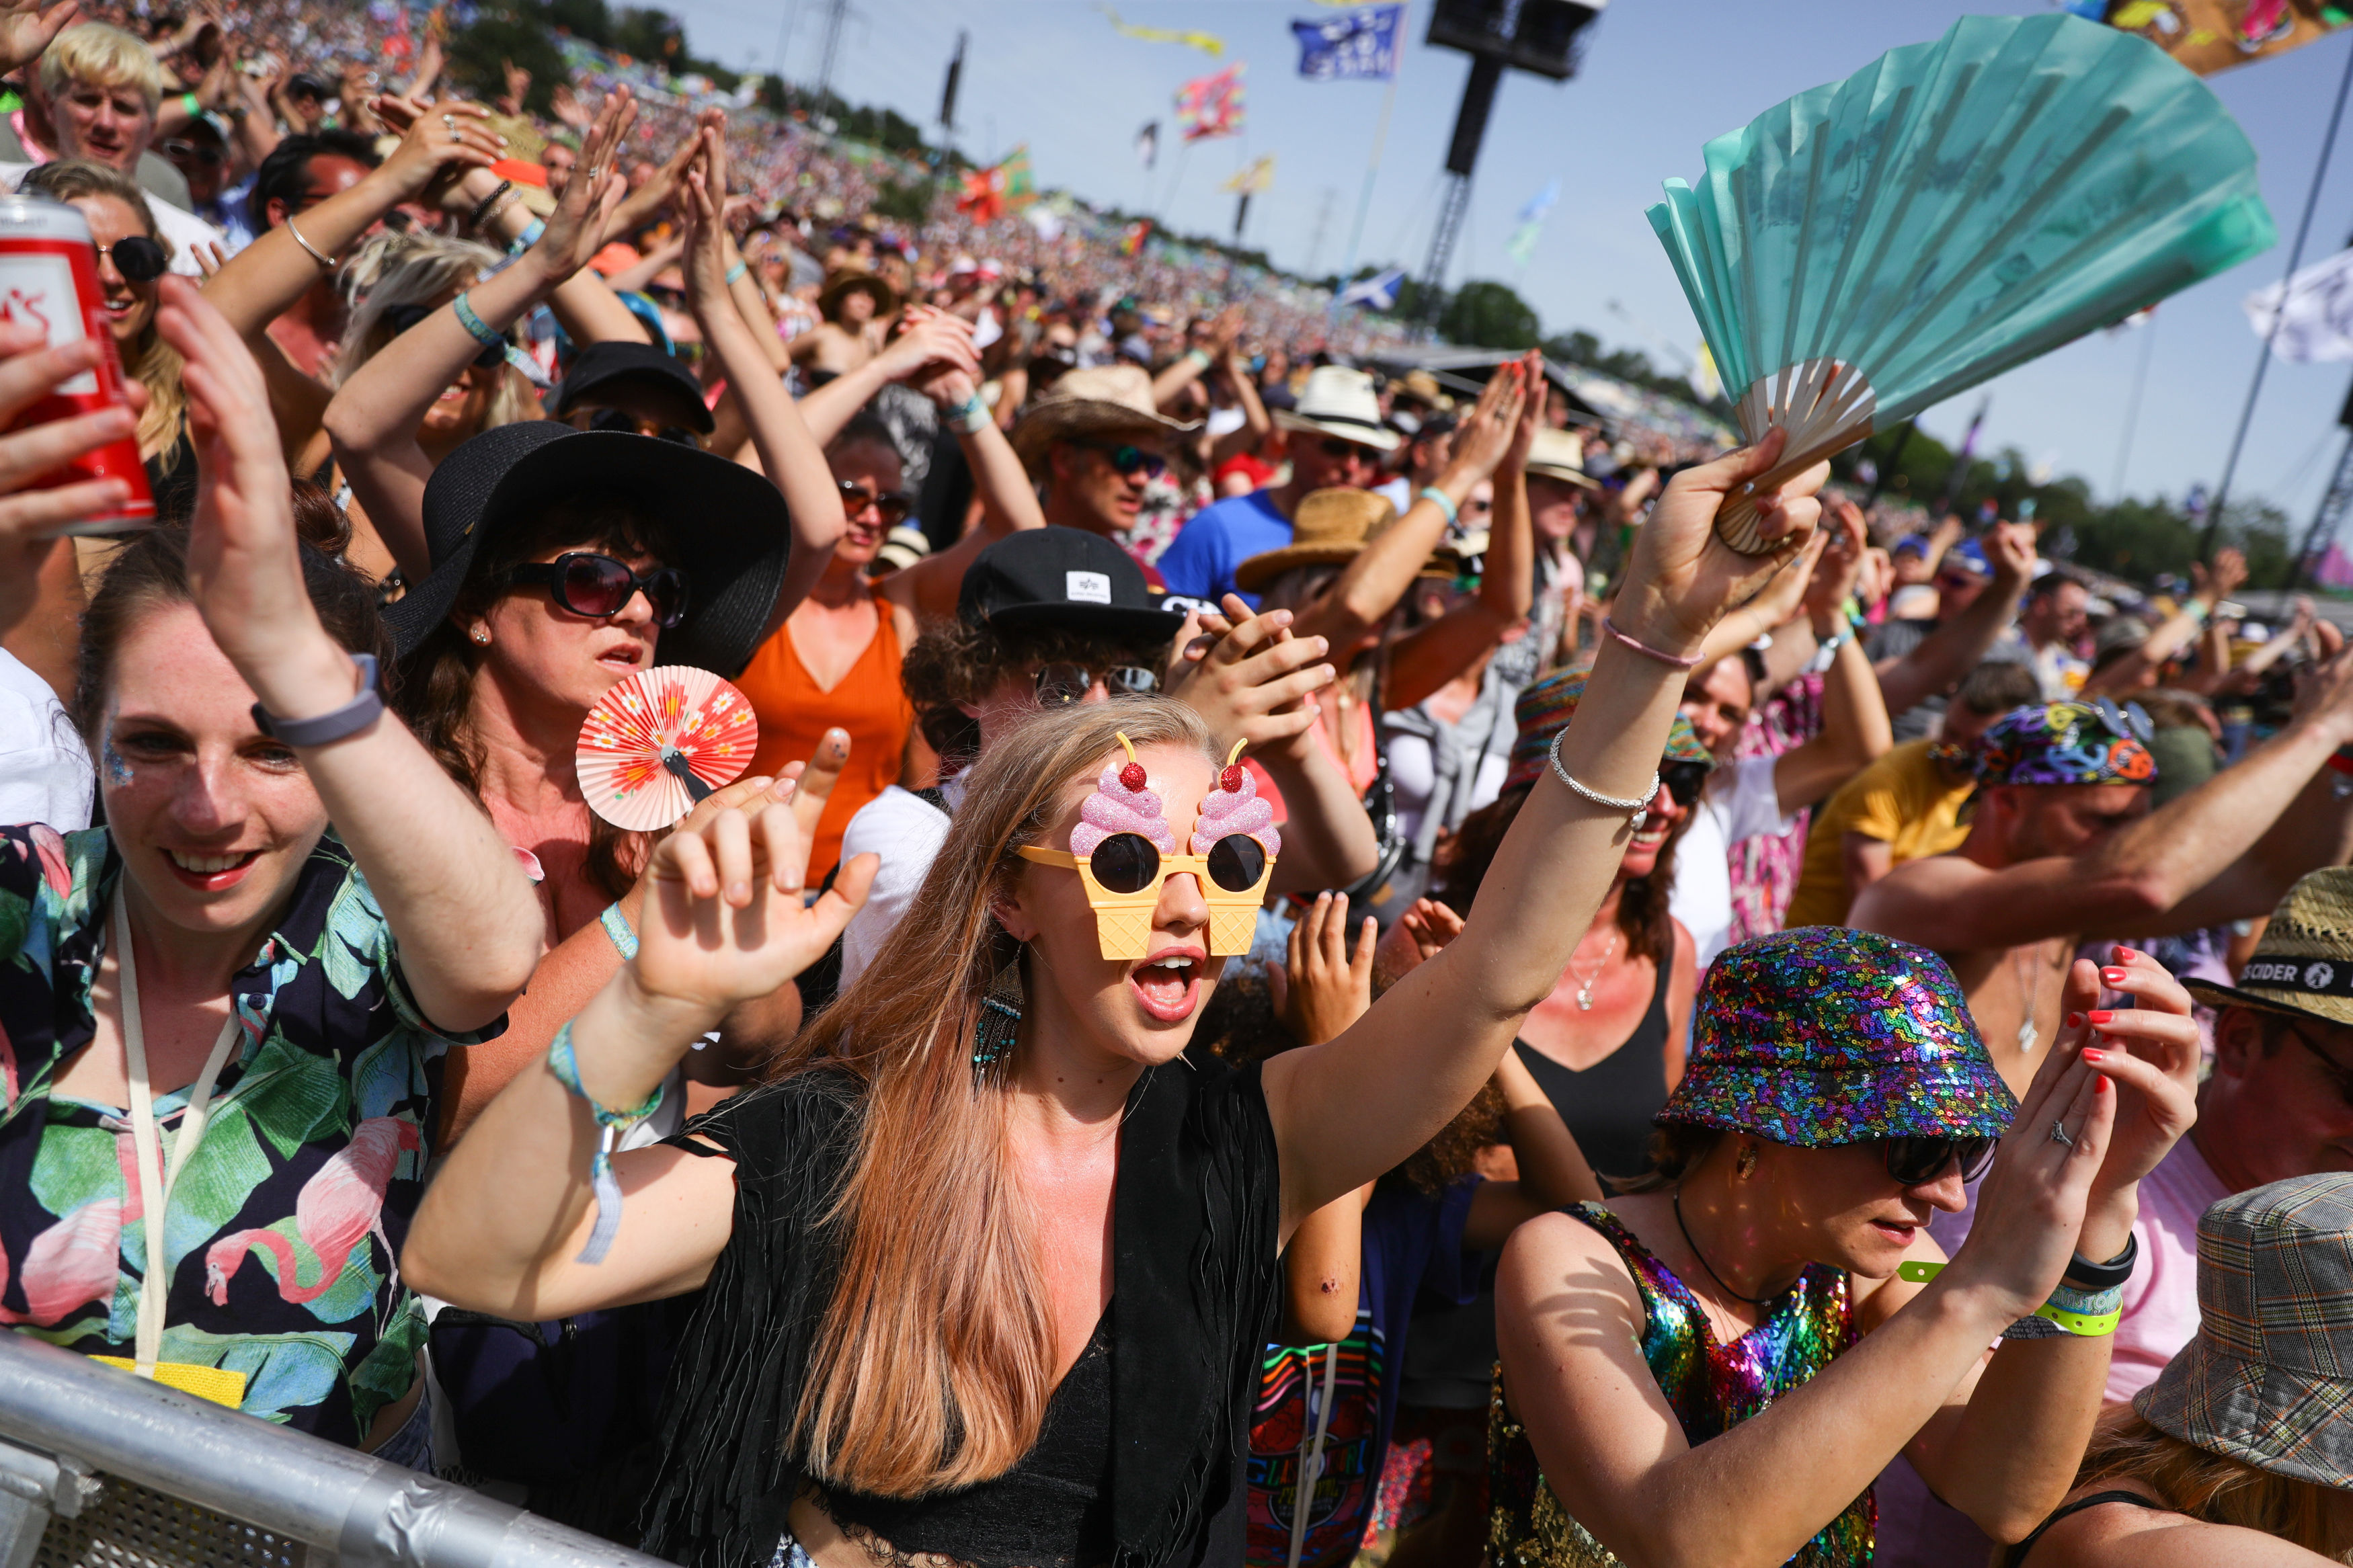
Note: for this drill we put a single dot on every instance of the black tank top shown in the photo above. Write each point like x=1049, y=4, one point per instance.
x=2016, y=1556
x=1051, y=1510
x=1609, y=1105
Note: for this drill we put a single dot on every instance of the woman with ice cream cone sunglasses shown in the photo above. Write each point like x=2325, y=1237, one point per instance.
x=985, y=1268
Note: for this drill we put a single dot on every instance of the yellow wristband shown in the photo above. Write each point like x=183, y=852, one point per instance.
x=2090, y=1325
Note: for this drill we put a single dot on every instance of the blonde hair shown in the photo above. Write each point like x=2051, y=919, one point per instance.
x=2214, y=1487
x=421, y=269
x=147, y=359
x=935, y=1358
x=101, y=55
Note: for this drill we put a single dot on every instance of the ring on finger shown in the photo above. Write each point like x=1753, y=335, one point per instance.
x=2059, y=1134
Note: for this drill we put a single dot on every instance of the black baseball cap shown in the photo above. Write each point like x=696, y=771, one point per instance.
x=728, y=523
x=1061, y=577
x=601, y=363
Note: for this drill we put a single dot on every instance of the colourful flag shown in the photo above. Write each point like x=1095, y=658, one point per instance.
x=1359, y=46
x=990, y=193
x=2317, y=319
x=2210, y=35
x=1213, y=47
x=1211, y=105
x=1258, y=178
x=1131, y=238
x=1523, y=243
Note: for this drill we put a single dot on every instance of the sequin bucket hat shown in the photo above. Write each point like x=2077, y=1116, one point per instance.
x=1823, y=1036
x=2269, y=1379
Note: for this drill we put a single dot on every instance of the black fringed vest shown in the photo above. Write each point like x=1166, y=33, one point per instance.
x=1194, y=1224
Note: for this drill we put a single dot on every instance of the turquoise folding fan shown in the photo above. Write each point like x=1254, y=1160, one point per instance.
x=1872, y=247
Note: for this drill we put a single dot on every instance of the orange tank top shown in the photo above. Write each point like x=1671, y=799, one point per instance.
x=795, y=712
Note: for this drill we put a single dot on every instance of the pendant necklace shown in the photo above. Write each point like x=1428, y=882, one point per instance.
x=1585, y=982
x=2028, y=990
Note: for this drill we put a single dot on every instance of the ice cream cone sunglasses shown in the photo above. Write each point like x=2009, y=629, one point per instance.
x=1123, y=868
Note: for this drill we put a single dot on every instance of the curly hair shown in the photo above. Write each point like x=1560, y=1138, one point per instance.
x=955, y=663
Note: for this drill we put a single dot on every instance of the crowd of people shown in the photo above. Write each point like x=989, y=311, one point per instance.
x=1262, y=888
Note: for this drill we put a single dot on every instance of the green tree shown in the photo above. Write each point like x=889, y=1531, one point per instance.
x=507, y=30
x=1488, y=315
x=653, y=35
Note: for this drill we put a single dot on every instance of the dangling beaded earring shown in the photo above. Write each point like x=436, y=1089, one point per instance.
x=1746, y=1167
x=1000, y=1018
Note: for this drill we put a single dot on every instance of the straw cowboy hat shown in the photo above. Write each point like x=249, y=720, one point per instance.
x=1557, y=455
x=1101, y=401
x=1340, y=402
x=2304, y=965
x=2269, y=1379
x=1332, y=526
x=848, y=280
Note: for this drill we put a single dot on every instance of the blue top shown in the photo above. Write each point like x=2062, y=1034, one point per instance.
x=1200, y=562
x=1413, y=1245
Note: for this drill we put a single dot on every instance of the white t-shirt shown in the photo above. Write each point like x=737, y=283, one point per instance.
x=1740, y=803
x=906, y=831
x=45, y=771
x=184, y=229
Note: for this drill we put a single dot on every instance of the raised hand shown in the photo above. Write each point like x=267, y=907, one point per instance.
x=1488, y=433
x=1840, y=563
x=930, y=343
x=27, y=26
x=569, y=108
x=575, y=230
x=30, y=519
x=1681, y=578
x=437, y=146
x=2151, y=1049
x=1321, y=988
x=2031, y=1203
x=1419, y=935
x=1255, y=682
x=1531, y=419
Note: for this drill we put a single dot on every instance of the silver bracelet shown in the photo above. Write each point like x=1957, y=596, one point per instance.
x=1637, y=811
x=306, y=245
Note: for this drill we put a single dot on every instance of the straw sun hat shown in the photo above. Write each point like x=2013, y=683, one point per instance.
x=1330, y=528
x=1100, y=402
x=2304, y=965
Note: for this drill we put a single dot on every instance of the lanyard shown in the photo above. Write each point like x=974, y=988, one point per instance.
x=154, y=1180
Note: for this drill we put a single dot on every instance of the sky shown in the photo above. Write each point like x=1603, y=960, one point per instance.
x=1660, y=79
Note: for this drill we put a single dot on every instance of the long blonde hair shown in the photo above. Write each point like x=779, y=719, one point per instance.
x=2215, y=1488
x=936, y=1356
x=421, y=269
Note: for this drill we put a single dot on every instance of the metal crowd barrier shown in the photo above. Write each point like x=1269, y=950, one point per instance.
x=101, y=1469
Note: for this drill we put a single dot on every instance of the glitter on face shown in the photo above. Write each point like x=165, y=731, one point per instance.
x=118, y=771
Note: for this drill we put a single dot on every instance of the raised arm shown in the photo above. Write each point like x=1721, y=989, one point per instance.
x=1257, y=423
x=1346, y=1110
x=1960, y=645
x=374, y=417
x=1855, y=728
x=2177, y=631
x=928, y=586
x=467, y=922
x=931, y=340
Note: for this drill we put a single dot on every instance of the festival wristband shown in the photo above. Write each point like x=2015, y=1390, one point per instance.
x=616, y=926
x=2091, y=1314
x=489, y=338
x=348, y=720
x=971, y=415
x=191, y=104
x=2197, y=610
x=528, y=237
x=566, y=1068
x=1200, y=358
x=1441, y=500
x=2085, y=1274
x=736, y=272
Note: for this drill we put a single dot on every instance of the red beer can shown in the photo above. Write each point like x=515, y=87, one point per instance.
x=48, y=276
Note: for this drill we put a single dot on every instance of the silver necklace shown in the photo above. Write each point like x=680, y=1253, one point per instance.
x=1585, y=982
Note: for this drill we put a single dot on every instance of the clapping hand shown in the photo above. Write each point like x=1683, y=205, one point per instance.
x=1492, y=427
x=437, y=146
x=1250, y=680
x=1321, y=989
x=2151, y=1049
x=575, y=230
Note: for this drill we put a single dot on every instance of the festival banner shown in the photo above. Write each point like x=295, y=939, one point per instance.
x=1359, y=46
x=1257, y=177
x=2308, y=316
x=2210, y=35
x=1211, y=106
x=990, y=193
x=1213, y=47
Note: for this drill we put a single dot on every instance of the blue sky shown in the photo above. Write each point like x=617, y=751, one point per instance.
x=1660, y=77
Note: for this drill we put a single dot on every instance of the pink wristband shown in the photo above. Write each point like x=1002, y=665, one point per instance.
x=1646, y=650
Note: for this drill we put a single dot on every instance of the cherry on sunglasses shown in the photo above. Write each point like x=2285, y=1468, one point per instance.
x=598, y=586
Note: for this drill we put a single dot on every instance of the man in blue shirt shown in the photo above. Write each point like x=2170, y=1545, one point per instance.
x=1334, y=437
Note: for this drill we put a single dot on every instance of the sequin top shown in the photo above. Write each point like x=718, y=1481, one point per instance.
x=1709, y=1385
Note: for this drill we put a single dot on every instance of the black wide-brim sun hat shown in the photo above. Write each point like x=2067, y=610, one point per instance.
x=728, y=527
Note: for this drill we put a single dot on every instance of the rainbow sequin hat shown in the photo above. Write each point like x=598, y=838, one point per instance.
x=1823, y=1036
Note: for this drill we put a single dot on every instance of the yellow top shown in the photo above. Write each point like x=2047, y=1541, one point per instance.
x=1906, y=800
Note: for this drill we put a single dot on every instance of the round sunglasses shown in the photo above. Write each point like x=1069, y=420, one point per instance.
x=1683, y=781
x=600, y=587
x=1915, y=1161
x=891, y=507
x=1060, y=685
x=1129, y=863
x=139, y=259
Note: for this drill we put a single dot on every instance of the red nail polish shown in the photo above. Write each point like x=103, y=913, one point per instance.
x=2090, y=1055
x=2114, y=978
x=2100, y=1019
x=2100, y=1086
x=2074, y=1020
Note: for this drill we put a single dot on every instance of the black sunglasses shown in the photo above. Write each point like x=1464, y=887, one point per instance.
x=1337, y=449
x=1060, y=685
x=1683, y=781
x=630, y=425
x=404, y=317
x=1915, y=1161
x=1129, y=863
x=1127, y=461
x=596, y=585
x=893, y=507
x=204, y=153
x=139, y=259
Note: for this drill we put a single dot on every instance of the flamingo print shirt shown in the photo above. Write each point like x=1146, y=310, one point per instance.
x=284, y=1231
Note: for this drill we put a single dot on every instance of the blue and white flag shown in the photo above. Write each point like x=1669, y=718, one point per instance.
x=1361, y=45
x=1378, y=292
x=1523, y=243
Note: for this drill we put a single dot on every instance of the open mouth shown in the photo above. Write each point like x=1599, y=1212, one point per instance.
x=1899, y=1234
x=211, y=873
x=625, y=658
x=1654, y=833
x=1169, y=983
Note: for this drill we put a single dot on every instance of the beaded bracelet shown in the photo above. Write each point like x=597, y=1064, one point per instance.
x=566, y=1068
x=483, y=208
x=616, y=926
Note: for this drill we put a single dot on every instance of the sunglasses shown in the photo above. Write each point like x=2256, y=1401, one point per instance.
x=2339, y=1075
x=1683, y=781
x=2130, y=722
x=1060, y=685
x=630, y=425
x=1915, y=1161
x=204, y=153
x=139, y=259
x=1340, y=451
x=1128, y=461
x=404, y=317
x=891, y=507
x=598, y=586
x=1128, y=863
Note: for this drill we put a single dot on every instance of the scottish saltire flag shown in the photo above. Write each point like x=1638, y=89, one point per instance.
x=1361, y=45
x=1379, y=292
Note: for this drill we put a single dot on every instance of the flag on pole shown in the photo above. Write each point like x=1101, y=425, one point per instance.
x=1211, y=105
x=1147, y=144
x=1258, y=178
x=1531, y=221
x=1705, y=379
x=2311, y=313
x=1131, y=238
x=1359, y=46
x=2210, y=35
x=1215, y=47
x=990, y=193
x=1378, y=292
